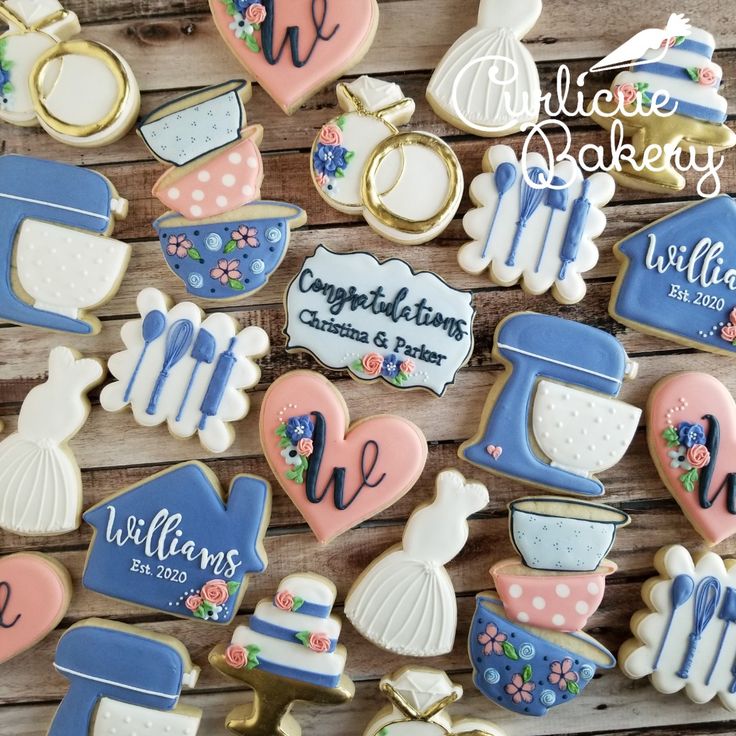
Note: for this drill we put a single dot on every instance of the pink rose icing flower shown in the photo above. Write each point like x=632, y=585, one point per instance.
x=215, y=591
x=626, y=93
x=178, y=246
x=236, y=656
x=319, y=642
x=372, y=363
x=256, y=13
x=321, y=179
x=305, y=446
x=407, y=366
x=193, y=602
x=284, y=600
x=707, y=76
x=561, y=674
x=225, y=271
x=245, y=235
x=728, y=333
x=330, y=135
x=520, y=690
x=492, y=640
x=698, y=456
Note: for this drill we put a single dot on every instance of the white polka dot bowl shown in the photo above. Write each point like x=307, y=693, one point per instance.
x=579, y=431
x=226, y=258
x=560, y=601
x=216, y=183
x=561, y=534
x=526, y=669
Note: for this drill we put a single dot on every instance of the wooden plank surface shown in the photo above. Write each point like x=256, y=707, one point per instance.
x=174, y=47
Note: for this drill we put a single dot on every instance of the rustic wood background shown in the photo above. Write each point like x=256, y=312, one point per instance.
x=173, y=47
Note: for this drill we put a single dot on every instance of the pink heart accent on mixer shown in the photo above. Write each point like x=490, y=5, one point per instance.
x=34, y=595
x=494, y=451
x=295, y=47
x=691, y=430
x=336, y=474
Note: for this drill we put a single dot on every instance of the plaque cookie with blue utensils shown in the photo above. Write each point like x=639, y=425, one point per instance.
x=677, y=277
x=174, y=544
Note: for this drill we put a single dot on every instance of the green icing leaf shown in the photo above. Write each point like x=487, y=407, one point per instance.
x=340, y=122
x=509, y=651
x=298, y=603
x=256, y=26
x=526, y=673
x=679, y=40
x=671, y=437
x=194, y=254
x=229, y=247
x=383, y=732
x=235, y=284
x=281, y=429
x=693, y=73
x=340, y=173
x=573, y=688
x=357, y=366
x=284, y=442
x=303, y=637
x=252, y=43
x=349, y=156
x=689, y=479
x=232, y=587
x=200, y=612
x=253, y=652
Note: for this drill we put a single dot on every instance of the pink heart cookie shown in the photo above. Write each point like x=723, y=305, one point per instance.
x=34, y=596
x=691, y=430
x=295, y=47
x=337, y=475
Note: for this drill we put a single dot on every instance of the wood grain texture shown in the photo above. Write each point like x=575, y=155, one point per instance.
x=173, y=48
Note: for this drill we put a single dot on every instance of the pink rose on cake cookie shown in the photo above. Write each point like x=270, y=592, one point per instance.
x=626, y=93
x=330, y=135
x=319, y=642
x=236, y=656
x=707, y=76
x=216, y=592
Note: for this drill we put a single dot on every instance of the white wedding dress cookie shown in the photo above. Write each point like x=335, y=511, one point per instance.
x=487, y=83
x=404, y=601
x=40, y=481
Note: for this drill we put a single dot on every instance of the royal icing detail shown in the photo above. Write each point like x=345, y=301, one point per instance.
x=554, y=413
x=487, y=82
x=684, y=638
x=36, y=89
x=529, y=671
x=691, y=420
x=679, y=77
x=543, y=234
x=34, y=595
x=295, y=48
x=419, y=697
x=677, y=278
x=173, y=544
x=371, y=110
x=185, y=369
x=404, y=601
x=379, y=320
x=56, y=219
x=119, y=673
x=337, y=475
x=40, y=482
x=287, y=652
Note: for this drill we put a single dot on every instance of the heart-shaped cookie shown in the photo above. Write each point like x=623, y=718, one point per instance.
x=295, y=47
x=34, y=596
x=336, y=475
x=691, y=430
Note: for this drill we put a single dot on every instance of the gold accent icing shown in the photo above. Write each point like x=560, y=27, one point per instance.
x=81, y=48
x=372, y=198
x=13, y=19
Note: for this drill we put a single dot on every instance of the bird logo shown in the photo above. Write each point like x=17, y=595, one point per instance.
x=631, y=53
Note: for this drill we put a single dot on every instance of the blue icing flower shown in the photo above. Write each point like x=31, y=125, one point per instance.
x=328, y=159
x=691, y=434
x=390, y=367
x=4, y=77
x=298, y=428
x=243, y=5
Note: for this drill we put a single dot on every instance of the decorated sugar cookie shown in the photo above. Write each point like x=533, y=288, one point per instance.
x=419, y=697
x=35, y=591
x=487, y=83
x=40, y=481
x=404, y=601
x=678, y=74
x=293, y=48
x=122, y=679
x=371, y=110
x=677, y=277
x=186, y=369
x=534, y=225
x=691, y=419
x=337, y=474
x=529, y=670
x=46, y=74
x=173, y=543
x=56, y=219
x=288, y=652
x=379, y=320
x=553, y=420
x=685, y=639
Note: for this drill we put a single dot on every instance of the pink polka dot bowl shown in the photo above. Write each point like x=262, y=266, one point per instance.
x=217, y=183
x=561, y=601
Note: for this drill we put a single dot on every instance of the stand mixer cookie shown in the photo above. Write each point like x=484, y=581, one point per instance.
x=680, y=78
x=45, y=77
x=288, y=652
